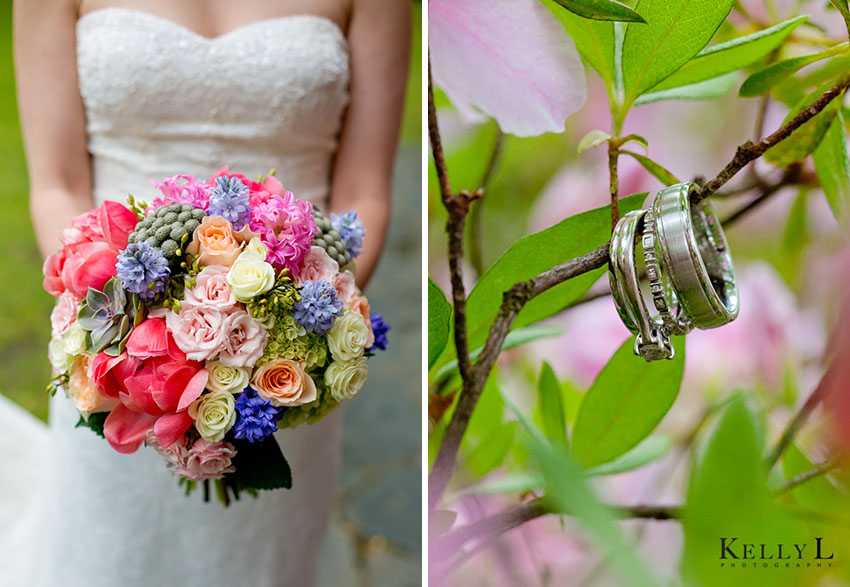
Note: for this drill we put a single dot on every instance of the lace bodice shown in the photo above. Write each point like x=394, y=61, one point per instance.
x=161, y=99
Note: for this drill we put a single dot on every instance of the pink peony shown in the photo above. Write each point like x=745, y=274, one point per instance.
x=52, y=270
x=198, y=331
x=318, y=266
x=64, y=314
x=90, y=265
x=211, y=290
x=181, y=189
x=244, y=340
x=155, y=388
x=203, y=460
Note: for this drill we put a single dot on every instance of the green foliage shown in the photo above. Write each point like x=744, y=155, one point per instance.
x=728, y=497
x=491, y=451
x=94, y=422
x=592, y=139
x=817, y=494
x=601, y=10
x=594, y=41
x=551, y=408
x=833, y=169
x=439, y=316
x=108, y=316
x=765, y=79
x=730, y=56
x=656, y=169
x=705, y=90
x=648, y=450
x=676, y=31
x=260, y=465
x=533, y=254
x=626, y=402
x=805, y=139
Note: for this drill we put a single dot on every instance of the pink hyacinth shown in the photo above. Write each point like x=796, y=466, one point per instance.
x=286, y=226
x=181, y=189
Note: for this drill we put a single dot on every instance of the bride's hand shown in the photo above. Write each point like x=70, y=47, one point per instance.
x=379, y=44
x=52, y=115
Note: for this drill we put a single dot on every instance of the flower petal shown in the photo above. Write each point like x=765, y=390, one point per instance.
x=117, y=222
x=511, y=59
x=148, y=339
x=171, y=428
x=125, y=429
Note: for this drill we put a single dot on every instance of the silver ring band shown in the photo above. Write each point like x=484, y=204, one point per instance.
x=663, y=296
x=695, y=254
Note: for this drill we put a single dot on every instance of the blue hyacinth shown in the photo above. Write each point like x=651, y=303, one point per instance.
x=380, y=329
x=319, y=306
x=256, y=418
x=143, y=269
x=230, y=198
x=350, y=230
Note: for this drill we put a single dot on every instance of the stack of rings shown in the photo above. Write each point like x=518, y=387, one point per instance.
x=690, y=279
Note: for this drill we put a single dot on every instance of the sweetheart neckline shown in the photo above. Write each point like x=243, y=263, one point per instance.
x=240, y=29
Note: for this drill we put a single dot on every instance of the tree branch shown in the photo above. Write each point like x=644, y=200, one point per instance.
x=816, y=471
x=613, y=180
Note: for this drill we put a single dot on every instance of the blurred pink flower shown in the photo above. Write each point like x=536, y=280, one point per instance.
x=510, y=59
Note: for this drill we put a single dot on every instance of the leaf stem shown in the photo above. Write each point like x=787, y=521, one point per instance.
x=816, y=471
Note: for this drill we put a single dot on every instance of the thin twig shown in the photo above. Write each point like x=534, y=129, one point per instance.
x=789, y=177
x=816, y=471
x=476, y=257
x=613, y=180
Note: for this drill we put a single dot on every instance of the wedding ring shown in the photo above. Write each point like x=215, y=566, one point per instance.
x=652, y=342
x=694, y=252
x=664, y=298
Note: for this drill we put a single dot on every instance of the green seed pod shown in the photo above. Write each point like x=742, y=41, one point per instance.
x=191, y=225
x=170, y=217
x=186, y=208
x=184, y=215
x=169, y=248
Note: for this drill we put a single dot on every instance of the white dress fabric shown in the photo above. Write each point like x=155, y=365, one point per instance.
x=162, y=100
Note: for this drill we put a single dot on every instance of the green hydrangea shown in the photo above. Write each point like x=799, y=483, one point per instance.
x=289, y=340
x=312, y=412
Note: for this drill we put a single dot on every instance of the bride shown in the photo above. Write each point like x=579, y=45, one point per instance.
x=114, y=94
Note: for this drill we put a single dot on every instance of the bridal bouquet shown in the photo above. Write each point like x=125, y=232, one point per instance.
x=201, y=323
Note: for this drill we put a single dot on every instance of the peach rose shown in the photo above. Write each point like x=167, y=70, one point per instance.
x=360, y=305
x=82, y=390
x=216, y=243
x=345, y=286
x=284, y=383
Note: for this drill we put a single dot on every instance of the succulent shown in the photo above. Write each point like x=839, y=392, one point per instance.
x=327, y=237
x=168, y=228
x=108, y=317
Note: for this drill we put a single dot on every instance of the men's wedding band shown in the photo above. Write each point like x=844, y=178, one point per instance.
x=695, y=254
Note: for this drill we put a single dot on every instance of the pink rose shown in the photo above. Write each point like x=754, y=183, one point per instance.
x=318, y=266
x=198, y=331
x=64, y=314
x=211, y=290
x=89, y=265
x=345, y=287
x=203, y=460
x=244, y=340
x=360, y=305
x=52, y=270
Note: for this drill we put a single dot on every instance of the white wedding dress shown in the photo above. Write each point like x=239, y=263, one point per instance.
x=161, y=100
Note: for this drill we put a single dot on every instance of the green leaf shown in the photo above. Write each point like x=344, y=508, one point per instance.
x=94, y=422
x=844, y=9
x=492, y=450
x=764, y=79
x=549, y=400
x=260, y=465
x=592, y=139
x=706, y=90
x=515, y=338
x=833, y=169
x=626, y=402
x=439, y=316
x=601, y=10
x=533, y=254
x=816, y=494
x=595, y=42
x=728, y=497
x=650, y=449
x=659, y=172
x=511, y=483
x=805, y=139
x=677, y=30
x=730, y=56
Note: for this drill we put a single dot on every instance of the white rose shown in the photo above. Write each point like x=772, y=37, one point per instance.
x=250, y=276
x=214, y=414
x=346, y=378
x=60, y=360
x=257, y=246
x=348, y=337
x=74, y=339
x=224, y=378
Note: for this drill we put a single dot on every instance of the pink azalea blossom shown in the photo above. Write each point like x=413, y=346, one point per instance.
x=510, y=59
